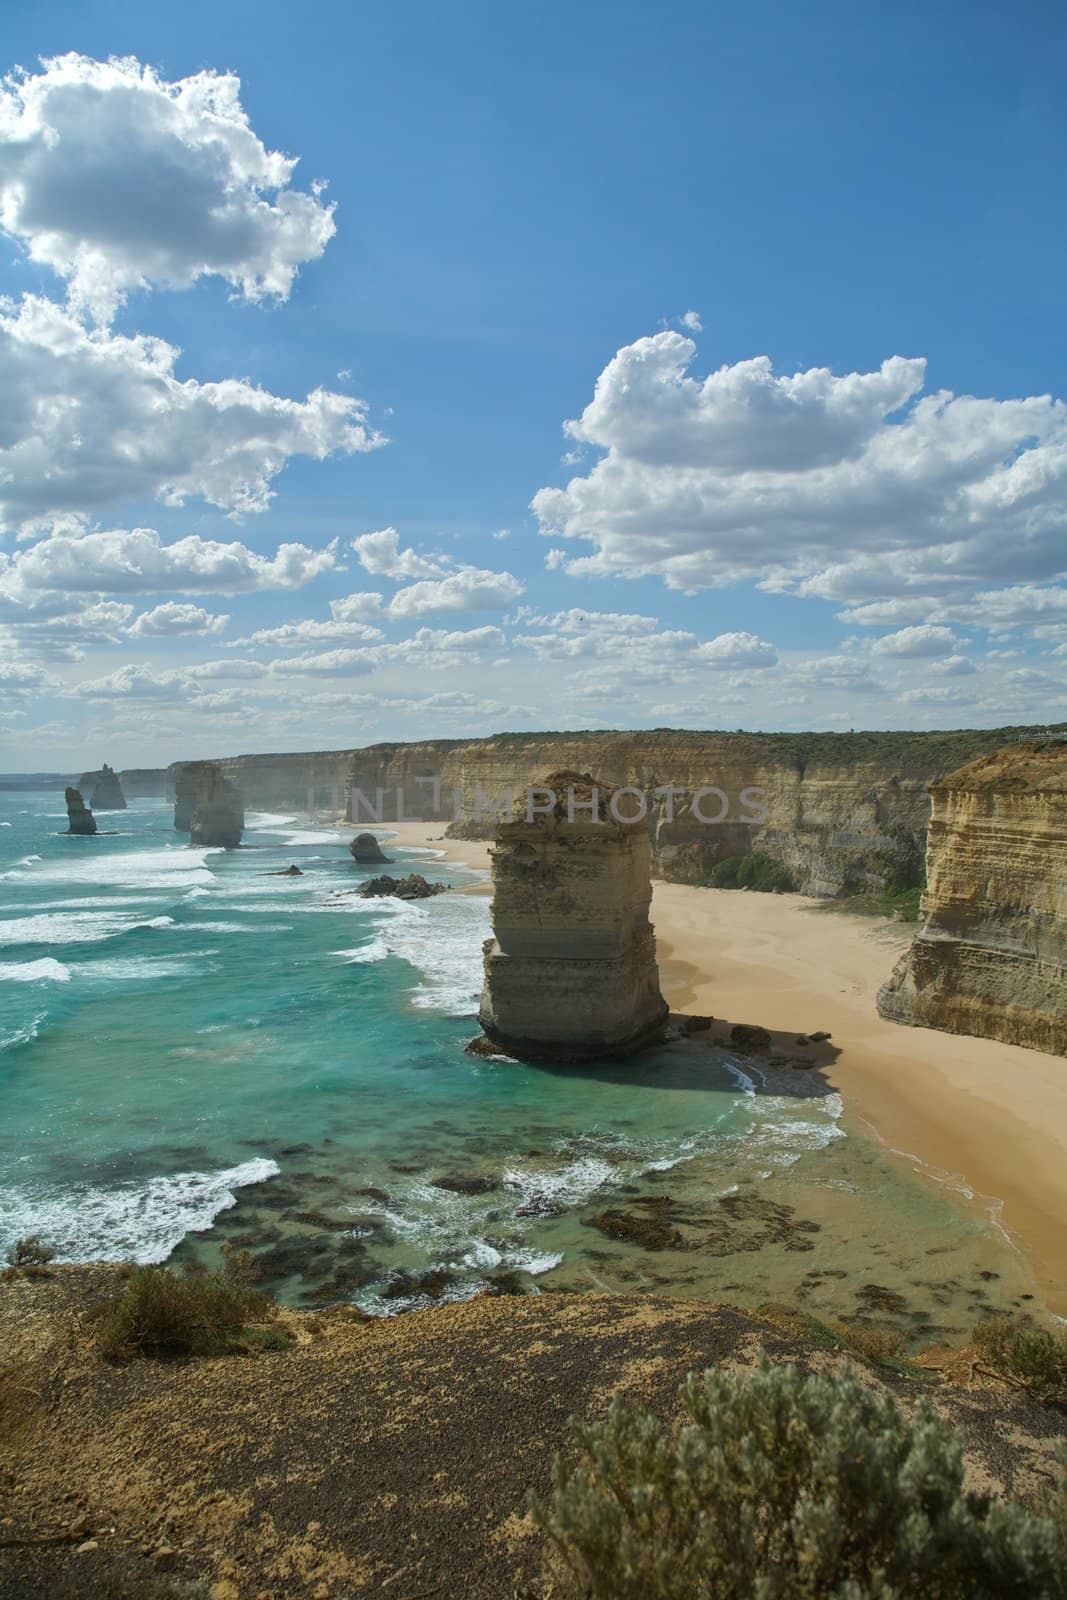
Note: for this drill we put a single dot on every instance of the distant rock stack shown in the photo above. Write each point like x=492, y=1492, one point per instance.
x=991, y=956
x=186, y=788
x=571, y=972
x=79, y=818
x=366, y=851
x=218, y=817
x=107, y=793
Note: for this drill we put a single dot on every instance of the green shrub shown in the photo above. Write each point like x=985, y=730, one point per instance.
x=786, y=1487
x=29, y=1252
x=753, y=871
x=901, y=903
x=164, y=1313
x=1033, y=1356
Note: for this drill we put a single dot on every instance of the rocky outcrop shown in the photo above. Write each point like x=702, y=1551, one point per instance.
x=138, y=783
x=107, y=791
x=366, y=851
x=79, y=818
x=845, y=811
x=207, y=806
x=219, y=816
x=570, y=974
x=991, y=956
x=413, y=887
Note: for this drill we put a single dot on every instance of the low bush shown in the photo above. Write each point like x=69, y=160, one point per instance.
x=1035, y=1357
x=781, y=1486
x=753, y=871
x=29, y=1252
x=163, y=1313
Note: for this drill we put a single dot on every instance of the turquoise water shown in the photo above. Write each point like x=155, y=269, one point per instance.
x=193, y=1051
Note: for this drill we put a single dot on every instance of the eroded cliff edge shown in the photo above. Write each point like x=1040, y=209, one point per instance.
x=991, y=956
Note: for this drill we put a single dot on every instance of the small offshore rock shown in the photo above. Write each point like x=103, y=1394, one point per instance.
x=460, y=1183
x=413, y=887
x=107, y=791
x=367, y=851
x=652, y=1232
x=696, y=1024
x=285, y=872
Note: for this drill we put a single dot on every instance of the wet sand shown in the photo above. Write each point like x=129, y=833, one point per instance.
x=990, y=1119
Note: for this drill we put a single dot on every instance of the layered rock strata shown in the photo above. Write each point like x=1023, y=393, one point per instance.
x=219, y=816
x=107, y=791
x=570, y=973
x=80, y=819
x=991, y=956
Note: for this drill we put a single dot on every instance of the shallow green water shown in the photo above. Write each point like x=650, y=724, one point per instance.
x=192, y=1050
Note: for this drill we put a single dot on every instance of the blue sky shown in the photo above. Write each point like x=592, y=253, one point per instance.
x=529, y=200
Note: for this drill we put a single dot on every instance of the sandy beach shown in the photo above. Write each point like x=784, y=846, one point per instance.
x=987, y=1118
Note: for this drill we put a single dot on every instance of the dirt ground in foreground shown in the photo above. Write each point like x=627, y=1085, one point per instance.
x=388, y=1460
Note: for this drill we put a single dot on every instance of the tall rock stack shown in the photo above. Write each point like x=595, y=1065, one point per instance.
x=991, y=956
x=570, y=974
x=218, y=817
x=107, y=791
x=80, y=819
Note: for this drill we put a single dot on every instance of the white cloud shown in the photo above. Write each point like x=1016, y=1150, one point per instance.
x=90, y=417
x=380, y=554
x=327, y=664
x=118, y=179
x=211, y=670
x=917, y=642
x=954, y=667
x=467, y=589
x=738, y=650
x=361, y=607
x=502, y=533
x=15, y=675
x=136, y=561
x=691, y=320
x=855, y=487
x=174, y=618
x=441, y=642
x=133, y=682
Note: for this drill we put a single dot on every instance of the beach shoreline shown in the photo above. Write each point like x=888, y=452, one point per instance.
x=985, y=1119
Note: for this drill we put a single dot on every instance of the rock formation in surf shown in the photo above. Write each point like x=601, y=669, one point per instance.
x=991, y=956
x=107, y=791
x=570, y=974
x=79, y=818
x=218, y=814
x=413, y=887
x=366, y=851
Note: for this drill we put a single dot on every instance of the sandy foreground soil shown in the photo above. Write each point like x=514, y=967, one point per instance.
x=989, y=1119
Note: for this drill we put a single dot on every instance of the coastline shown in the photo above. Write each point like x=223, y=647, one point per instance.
x=985, y=1118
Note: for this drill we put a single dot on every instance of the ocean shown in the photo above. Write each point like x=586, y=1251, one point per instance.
x=195, y=1052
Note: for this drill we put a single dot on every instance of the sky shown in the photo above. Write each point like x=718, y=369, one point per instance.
x=409, y=371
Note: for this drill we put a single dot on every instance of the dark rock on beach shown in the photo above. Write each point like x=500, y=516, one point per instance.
x=749, y=1036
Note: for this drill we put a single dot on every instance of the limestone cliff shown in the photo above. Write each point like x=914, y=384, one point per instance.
x=842, y=809
x=218, y=817
x=570, y=974
x=991, y=956
x=80, y=819
x=107, y=791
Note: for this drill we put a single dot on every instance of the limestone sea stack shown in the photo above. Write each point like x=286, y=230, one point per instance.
x=218, y=817
x=107, y=791
x=991, y=956
x=366, y=851
x=79, y=818
x=570, y=974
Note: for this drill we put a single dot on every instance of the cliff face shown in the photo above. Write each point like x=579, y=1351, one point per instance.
x=207, y=806
x=571, y=972
x=80, y=819
x=842, y=809
x=991, y=956
x=218, y=815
